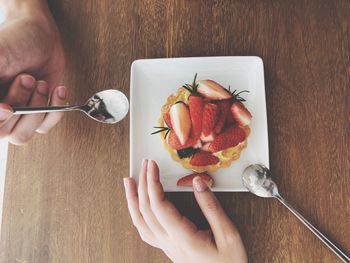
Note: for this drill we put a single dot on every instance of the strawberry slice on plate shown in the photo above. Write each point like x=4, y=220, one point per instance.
x=230, y=137
x=240, y=113
x=180, y=121
x=187, y=180
x=210, y=118
x=212, y=90
x=202, y=158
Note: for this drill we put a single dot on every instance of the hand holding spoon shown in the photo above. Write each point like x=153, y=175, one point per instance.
x=256, y=178
x=108, y=106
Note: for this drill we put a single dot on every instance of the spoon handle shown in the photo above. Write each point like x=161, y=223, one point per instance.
x=314, y=230
x=32, y=110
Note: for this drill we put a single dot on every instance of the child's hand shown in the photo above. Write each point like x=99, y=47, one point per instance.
x=161, y=225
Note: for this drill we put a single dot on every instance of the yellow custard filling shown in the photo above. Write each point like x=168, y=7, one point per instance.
x=226, y=156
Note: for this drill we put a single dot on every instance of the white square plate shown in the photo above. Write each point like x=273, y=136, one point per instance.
x=153, y=80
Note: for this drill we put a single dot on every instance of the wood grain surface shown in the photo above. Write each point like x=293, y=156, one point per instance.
x=64, y=197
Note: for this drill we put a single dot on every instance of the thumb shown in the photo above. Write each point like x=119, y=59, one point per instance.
x=220, y=224
x=6, y=113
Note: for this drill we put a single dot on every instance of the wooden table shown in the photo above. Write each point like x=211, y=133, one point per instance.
x=64, y=197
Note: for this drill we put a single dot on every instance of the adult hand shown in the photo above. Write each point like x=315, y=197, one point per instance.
x=30, y=45
x=161, y=225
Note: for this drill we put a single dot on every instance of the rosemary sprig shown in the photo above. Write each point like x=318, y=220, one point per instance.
x=161, y=129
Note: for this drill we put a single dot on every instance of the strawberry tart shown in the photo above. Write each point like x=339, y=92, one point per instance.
x=204, y=126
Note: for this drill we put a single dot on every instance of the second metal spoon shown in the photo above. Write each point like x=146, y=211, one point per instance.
x=256, y=178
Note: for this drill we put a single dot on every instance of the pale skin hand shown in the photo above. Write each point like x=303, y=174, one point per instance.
x=31, y=65
x=161, y=225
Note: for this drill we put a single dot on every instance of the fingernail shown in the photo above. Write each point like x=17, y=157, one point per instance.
x=125, y=181
x=62, y=92
x=199, y=185
x=4, y=115
x=27, y=82
x=42, y=88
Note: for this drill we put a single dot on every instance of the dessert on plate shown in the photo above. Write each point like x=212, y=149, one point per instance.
x=204, y=126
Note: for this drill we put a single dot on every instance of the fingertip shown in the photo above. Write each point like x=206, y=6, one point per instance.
x=27, y=81
x=42, y=88
x=62, y=92
x=153, y=171
x=199, y=185
x=59, y=96
x=20, y=90
x=128, y=182
x=130, y=187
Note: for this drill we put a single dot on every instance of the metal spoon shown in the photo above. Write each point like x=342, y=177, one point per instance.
x=107, y=106
x=256, y=178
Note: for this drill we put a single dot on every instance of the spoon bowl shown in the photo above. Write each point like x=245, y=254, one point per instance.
x=108, y=106
x=257, y=179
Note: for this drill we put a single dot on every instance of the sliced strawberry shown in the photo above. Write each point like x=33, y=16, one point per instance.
x=196, y=112
x=240, y=113
x=187, y=180
x=168, y=120
x=212, y=90
x=224, y=107
x=230, y=137
x=210, y=118
x=203, y=158
x=174, y=142
x=181, y=121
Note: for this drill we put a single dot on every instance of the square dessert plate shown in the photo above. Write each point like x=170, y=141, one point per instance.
x=153, y=80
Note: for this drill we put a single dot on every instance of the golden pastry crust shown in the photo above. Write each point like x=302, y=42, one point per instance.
x=226, y=156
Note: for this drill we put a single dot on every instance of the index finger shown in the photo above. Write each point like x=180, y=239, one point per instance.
x=176, y=225
x=223, y=229
x=59, y=96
